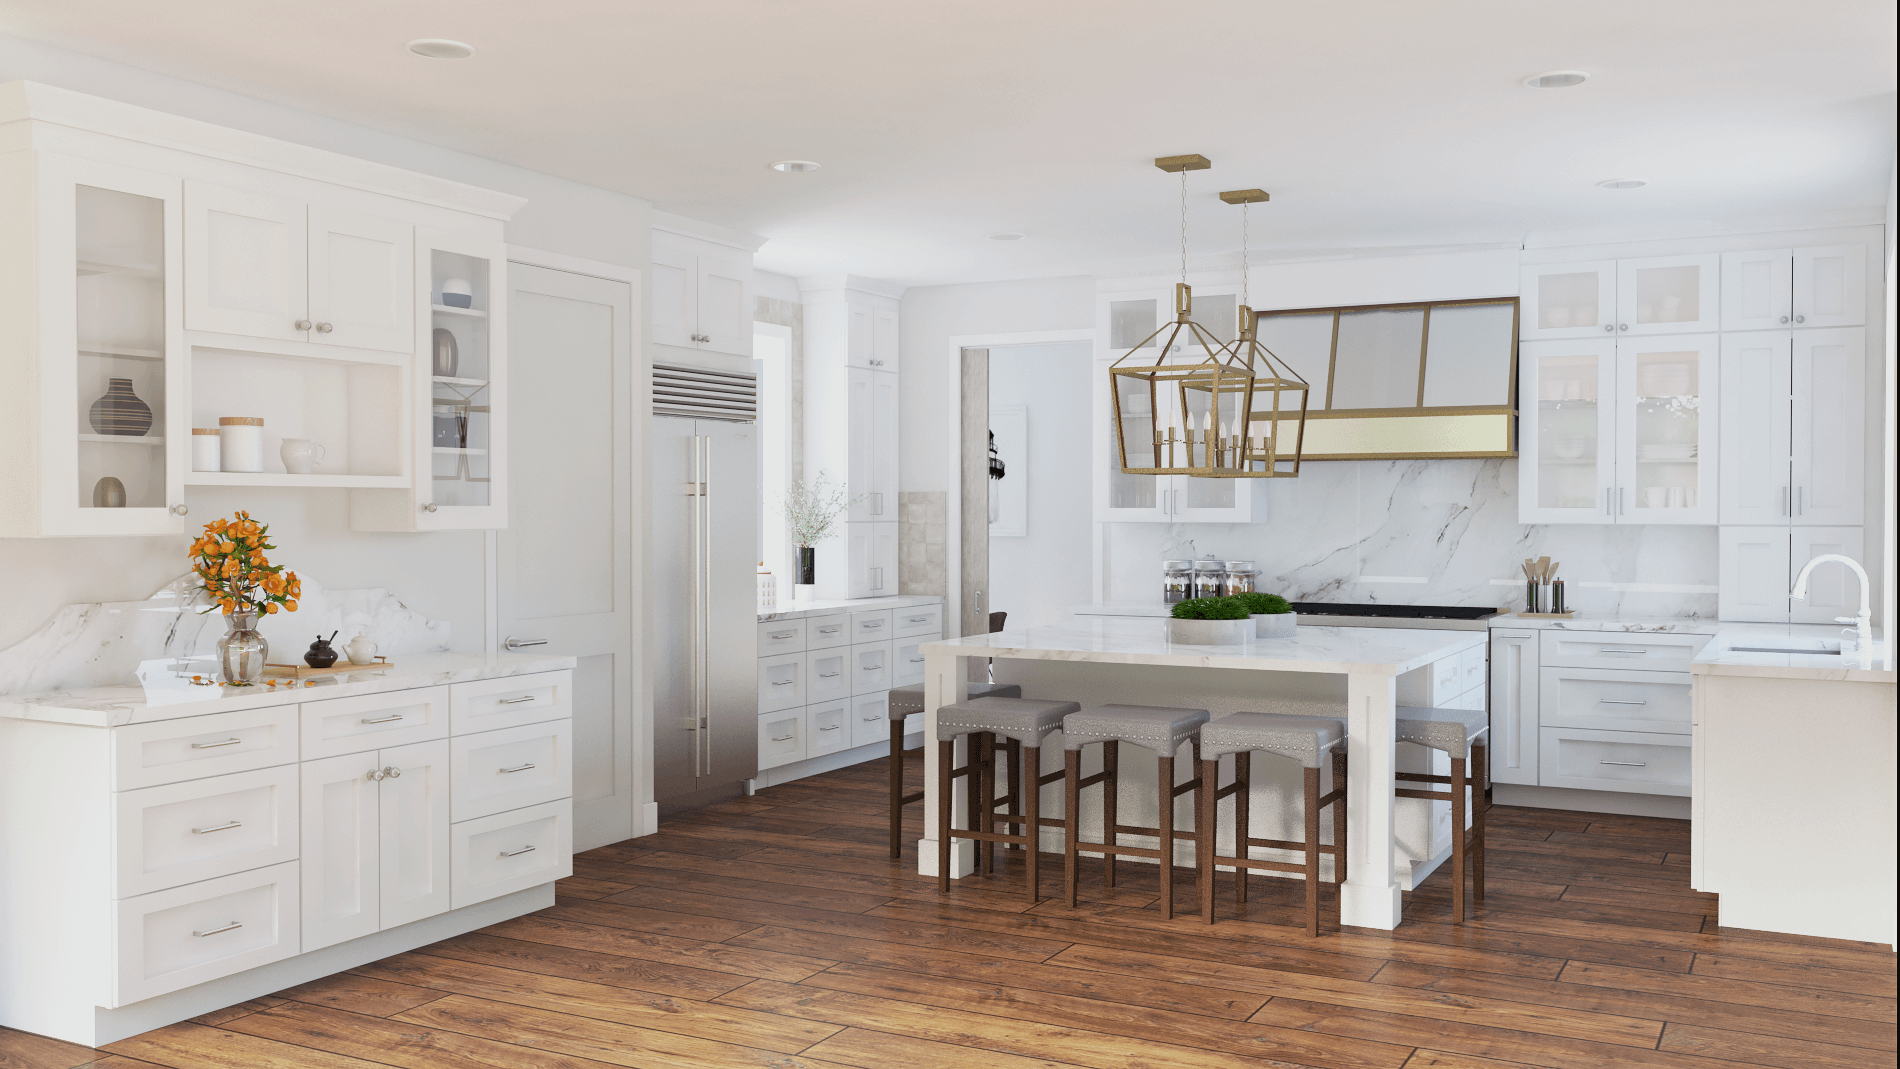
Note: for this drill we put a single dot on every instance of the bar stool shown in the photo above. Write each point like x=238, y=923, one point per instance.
x=905, y=701
x=1157, y=728
x=1305, y=739
x=1458, y=732
x=1025, y=720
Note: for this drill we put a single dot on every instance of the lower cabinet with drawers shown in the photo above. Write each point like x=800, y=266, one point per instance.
x=145, y=860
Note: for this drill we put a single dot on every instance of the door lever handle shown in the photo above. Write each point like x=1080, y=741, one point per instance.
x=523, y=643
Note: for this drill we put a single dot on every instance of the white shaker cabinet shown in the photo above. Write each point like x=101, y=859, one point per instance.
x=870, y=560
x=1793, y=443
x=376, y=837
x=1757, y=567
x=870, y=474
x=702, y=294
x=1770, y=289
x=851, y=428
x=1757, y=433
x=1620, y=298
x=1514, y=721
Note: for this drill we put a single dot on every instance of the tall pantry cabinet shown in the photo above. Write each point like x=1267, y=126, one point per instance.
x=851, y=404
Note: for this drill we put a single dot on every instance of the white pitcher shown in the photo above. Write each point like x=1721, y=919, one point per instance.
x=300, y=454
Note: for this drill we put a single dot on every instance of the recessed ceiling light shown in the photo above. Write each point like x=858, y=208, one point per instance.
x=1623, y=183
x=440, y=48
x=795, y=166
x=1006, y=235
x=1557, y=79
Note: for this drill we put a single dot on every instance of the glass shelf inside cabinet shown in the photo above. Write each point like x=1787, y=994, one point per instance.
x=120, y=301
x=1668, y=425
x=461, y=401
x=1567, y=429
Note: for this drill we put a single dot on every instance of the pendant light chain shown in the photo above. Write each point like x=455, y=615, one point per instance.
x=1243, y=253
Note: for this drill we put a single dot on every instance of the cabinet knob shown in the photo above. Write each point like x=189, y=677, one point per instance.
x=1610, y=327
x=392, y=773
x=324, y=328
x=301, y=324
x=179, y=510
x=1801, y=319
x=1784, y=319
x=1622, y=326
x=430, y=507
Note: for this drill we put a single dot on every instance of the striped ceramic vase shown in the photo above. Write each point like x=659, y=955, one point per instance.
x=120, y=411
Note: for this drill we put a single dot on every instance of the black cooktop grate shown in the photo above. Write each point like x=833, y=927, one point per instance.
x=1398, y=612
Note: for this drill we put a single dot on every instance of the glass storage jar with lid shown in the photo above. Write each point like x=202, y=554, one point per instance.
x=1209, y=575
x=1177, y=580
x=1240, y=577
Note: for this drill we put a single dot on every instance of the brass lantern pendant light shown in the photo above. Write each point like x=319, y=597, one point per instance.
x=1272, y=423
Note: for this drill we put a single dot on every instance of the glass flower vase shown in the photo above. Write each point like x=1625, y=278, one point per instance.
x=242, y=650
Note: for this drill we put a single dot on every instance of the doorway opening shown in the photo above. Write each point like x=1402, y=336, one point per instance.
x=1041, y=517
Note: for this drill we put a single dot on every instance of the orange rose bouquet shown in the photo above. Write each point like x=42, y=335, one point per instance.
x=230, y=563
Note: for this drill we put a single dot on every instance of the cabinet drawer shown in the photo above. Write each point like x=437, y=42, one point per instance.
x=350, y=725
x=1474, y=664
x=508, y=852
x=912, y=623
x=1627, y=650
x=487, y=704
x=496, y=771
x=830, y=727
x=907, y=661
x=871, y=626
x=870, y=667
x=824, y=632
x=146, y=755
x=1637, y=762
x=869, y=721
x=1435, y=686
x=781, y=738
x=188, y=935
x=1614, y=701
x=826, y=676
x=1448, y=677
x=781, y=636
x=185, y=832
x=781, y=682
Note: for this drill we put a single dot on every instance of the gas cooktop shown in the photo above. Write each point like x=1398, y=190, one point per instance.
x=1447, y=617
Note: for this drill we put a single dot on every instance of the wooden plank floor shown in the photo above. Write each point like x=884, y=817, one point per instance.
x=772, y=932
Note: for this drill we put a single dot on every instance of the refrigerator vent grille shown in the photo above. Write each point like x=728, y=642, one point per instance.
x=702, y=393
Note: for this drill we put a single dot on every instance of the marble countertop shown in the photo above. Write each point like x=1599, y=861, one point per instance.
x=794, y=610
x=1718, y=658
x=1664, y=625
x=165, y=692
x=1116, y=640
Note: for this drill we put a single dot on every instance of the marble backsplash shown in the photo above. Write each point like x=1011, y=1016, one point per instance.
x=107, y=643
x=1431, y=532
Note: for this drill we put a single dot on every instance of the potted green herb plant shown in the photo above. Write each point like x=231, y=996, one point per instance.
x=1272, y=616
x=1209, y=622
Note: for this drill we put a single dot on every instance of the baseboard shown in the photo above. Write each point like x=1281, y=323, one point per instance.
x=1581, y=801
x=647, y=819
x=812, y=766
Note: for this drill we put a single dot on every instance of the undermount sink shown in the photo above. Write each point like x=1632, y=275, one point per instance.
x=1777, y=649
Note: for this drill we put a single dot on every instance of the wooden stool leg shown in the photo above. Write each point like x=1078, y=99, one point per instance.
x=1031, y=756
x=984, y=820
x=1243, y=802
x=1312, y=853
x=1458, y=840
x=1014, y=795
x=943, y=816
x=1207, y=829
x=1164, y=778
x=1071, y=827
x=897, y=785
x=1339, y=818
x=1111, y=795
x=1480, y=774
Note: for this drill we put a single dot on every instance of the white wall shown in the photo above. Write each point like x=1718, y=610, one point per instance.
x=439, y=574
x=1036, y=578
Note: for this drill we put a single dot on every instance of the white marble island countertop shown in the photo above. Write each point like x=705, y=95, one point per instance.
x=1721, y=657
x=164, y=691
x=793, y=610
x=1123, y=640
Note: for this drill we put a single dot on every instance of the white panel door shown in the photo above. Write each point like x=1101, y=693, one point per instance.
x=861, y=336
x=1830, y=448
x=675, y=309
x=413, y=823
x=246, y=263
x=1668, y=295
x=1756, y=289
x=1576, y=300
x=884, y=339
x=724, y=313
x=1566, y=467
x=1753, y=565
x=361, y=281
x=883, y=445
x=1833, y=591
x=861, y=448
x=1667, y=429
x=342, y=856
x=1755, y=432
x=1830, y=286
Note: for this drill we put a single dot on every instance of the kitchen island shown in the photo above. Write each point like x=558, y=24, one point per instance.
x=1132, y=661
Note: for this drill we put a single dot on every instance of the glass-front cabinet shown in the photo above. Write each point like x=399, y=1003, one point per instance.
x=462, y=363
x=1621, y=298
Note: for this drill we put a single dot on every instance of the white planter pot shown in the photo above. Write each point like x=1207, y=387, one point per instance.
x=1275, y=624
x=1210, y=632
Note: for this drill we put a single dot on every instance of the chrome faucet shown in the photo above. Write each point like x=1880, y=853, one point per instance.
x=1863, y=620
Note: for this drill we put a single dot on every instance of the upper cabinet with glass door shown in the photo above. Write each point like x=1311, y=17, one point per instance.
x=1620, y=298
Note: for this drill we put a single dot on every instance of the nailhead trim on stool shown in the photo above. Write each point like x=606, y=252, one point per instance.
x=1460, y=733
x=1024, y=720
x=903, y=702
x=1156, y=728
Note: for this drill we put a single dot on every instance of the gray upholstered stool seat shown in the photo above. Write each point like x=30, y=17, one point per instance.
x=1461, y=734
x=905, y=702
x=1024, y=723
x=1450, y=730
x=1157, y=728
x=1302, y=738
x=1027, y=720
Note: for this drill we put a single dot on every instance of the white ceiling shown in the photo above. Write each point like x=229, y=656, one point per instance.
x=1374, y=123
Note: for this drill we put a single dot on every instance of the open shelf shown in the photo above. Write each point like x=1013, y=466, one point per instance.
x=444, y=450
x=107, y=267
x=121, y=351
x=124, y=439
x=444, y=309
x=278, y=478
x=447, y=381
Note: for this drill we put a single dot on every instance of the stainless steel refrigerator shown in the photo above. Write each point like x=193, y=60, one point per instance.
x=704, y=582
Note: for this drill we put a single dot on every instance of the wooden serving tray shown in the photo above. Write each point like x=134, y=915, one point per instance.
x=304, y=671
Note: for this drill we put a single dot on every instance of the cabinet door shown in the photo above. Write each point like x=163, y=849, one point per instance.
x=1666, y=429
x=860, y=335
x=1833, y=591
x=1829, y=446
x=246, y=263
x=468, y=463
x=1192, y=500
x=1753, y=565
x=1514, y=721
x=868, y=724
x=413, y=826
x=830, y=728
x=1576, y=300
x=1830, y=286
x=1566, y=468
x=1668, y=295
x=1756, y=289
x=675, y=305
x=884, y=445
x=342, y=855
x=861, y=442
x=883, y=579
x=1756, y=380
x=884, y=339
x=723, y=312
x=361, y=280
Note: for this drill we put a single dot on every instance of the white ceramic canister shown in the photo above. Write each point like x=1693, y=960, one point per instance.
x=205, y=453
x=241, y=442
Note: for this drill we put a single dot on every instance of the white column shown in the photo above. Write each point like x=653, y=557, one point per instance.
x=1370, y=898
x=946, y=682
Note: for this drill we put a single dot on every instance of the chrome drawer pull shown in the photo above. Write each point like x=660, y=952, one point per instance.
x=1626, y=764
x=215, y=931
x=218, y=827
x=787, y=738
x=382, y=719
x=515, y=701
x=871, y=623
x=874, y=668
x=214, y=745
x=1608, y=650
x=784, y=682
x=832, y=630
x=1618, y=701
x=916, y=660
x=872, y=719
x=833, y=727
x=918, y=620
x=517, y=768
x=780, y=634
x=517, y=853
x=829, y=675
